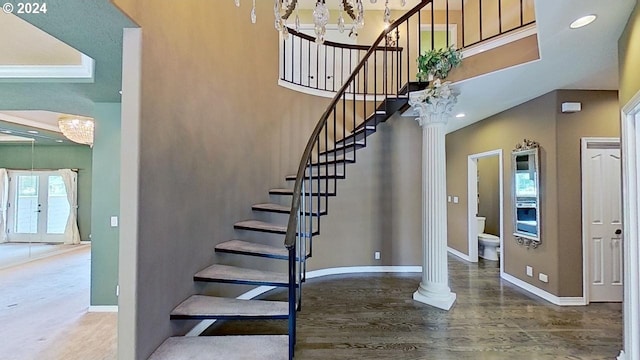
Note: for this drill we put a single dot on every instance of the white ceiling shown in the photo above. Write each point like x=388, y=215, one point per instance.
x=585, y=58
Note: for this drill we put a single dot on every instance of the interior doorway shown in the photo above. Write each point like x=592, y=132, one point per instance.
x=472, y=201
x=602, y=220
x=630, y=133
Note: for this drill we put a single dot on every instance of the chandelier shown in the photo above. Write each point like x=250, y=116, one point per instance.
x=77, y=129
x=283, y=9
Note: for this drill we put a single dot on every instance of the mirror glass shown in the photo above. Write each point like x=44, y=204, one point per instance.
x=526, y=194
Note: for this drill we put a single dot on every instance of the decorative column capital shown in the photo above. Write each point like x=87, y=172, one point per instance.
x=434, y=104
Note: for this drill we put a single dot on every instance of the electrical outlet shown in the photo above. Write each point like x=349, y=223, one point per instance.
x=114, y=221
x=543, y=277
x=376, y=255
x=529, y=271
x=449, y=198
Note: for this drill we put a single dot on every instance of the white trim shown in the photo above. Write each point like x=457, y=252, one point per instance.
x=103, y=308
x=75, y=73
x=472, y=203
x=459, y=254
x=204, y=324
x=500, y=40
x=27, y=122
x=557, y=300
x=129, y=193
x=630, y=134
x=584, y=142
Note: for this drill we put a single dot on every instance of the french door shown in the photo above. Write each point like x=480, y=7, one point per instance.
x=38, y=207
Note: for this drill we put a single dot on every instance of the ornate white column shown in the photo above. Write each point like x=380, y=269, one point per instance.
x=434, y=107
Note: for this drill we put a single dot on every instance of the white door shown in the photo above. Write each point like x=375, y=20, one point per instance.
x=38, y=207
x=603, y=219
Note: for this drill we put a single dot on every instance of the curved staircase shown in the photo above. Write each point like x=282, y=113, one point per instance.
x=377, y=88
x=323, y=163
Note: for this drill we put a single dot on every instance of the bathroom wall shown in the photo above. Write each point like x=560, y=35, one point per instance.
x=489, y=193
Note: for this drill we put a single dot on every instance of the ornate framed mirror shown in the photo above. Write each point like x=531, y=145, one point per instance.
x=525, y=193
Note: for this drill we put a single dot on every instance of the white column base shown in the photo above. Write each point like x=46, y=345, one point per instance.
x=441, y=300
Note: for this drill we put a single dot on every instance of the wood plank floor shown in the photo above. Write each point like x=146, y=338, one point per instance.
x=373, y=317
x=43, y=311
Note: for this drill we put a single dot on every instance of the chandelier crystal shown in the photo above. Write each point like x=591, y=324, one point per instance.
x=77, y=129
x=283, y=9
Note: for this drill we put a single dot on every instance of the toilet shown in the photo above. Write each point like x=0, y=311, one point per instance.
x=487, y=244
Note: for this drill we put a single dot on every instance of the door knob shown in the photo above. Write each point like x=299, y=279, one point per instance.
x=618, y=231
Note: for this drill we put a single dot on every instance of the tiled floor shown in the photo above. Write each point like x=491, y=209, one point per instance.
x=373, y=317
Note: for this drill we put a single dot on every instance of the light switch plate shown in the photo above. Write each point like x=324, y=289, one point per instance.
x=114, y=221
x=543, y=277
x=455, y=199
x=529, y=271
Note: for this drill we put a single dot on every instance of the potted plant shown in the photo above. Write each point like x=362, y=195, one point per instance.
x=437, y=100
x=437, y=63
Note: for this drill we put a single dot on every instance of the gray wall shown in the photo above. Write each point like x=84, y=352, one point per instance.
x=489, y=193
x=57, y=157
x=560, y=255
x=105, y=203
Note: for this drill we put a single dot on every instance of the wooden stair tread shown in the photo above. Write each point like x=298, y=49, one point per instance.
x=331, y=162
x=281, y=209
x=251, y=248
x=213, y=307
x=344, y=148
x=234, y=274
x=256, y=225
x=290, y=192
x=243, y=347
x=277, y=208
x=321, y=176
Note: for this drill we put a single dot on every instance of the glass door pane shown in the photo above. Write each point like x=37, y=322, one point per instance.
x=27, y=206
x=57, y=205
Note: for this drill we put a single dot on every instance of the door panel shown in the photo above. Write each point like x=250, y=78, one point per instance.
x=603, y=210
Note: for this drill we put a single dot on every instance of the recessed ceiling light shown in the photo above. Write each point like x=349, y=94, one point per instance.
x=7, y=131
x=461, y=115
x=32, y=131
x=583, y=21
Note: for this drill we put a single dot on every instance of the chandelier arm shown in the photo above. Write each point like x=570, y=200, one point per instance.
x=290, y=8
x=349, y=9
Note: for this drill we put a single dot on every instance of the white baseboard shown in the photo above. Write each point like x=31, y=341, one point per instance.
x=457, y=253
x=363, y=269
x=103, y=308
x=557, y=300
x=204, y=324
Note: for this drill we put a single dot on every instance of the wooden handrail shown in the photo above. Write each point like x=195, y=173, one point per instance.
x=341, y=45
x=290, y=237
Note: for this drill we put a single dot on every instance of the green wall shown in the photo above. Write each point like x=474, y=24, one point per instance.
x=105, y=204
x=629, y=58
x=57, y=157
